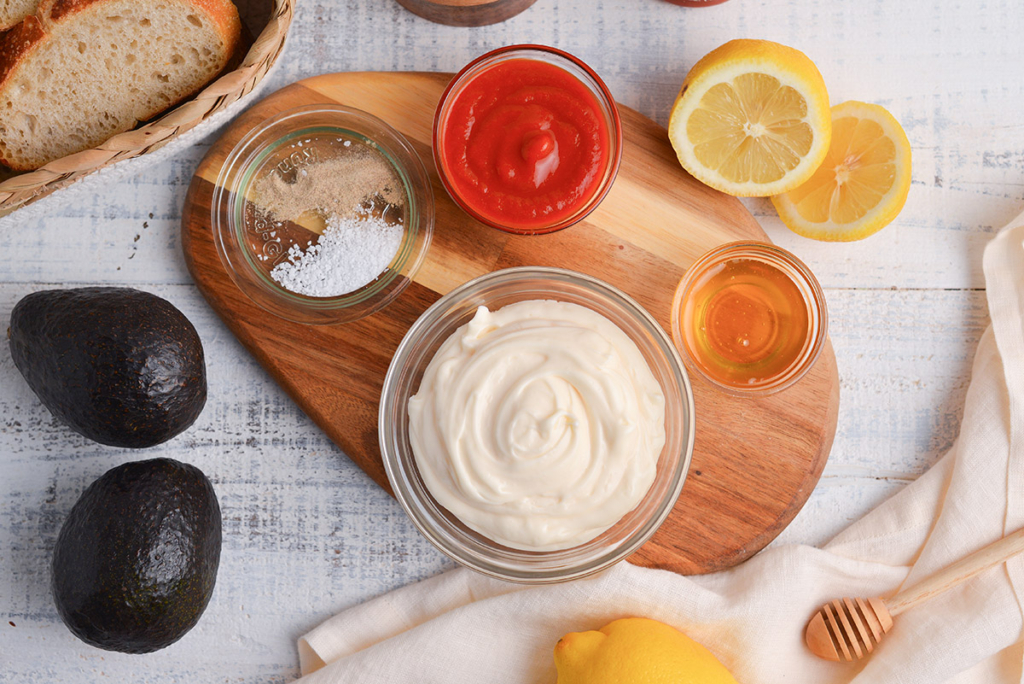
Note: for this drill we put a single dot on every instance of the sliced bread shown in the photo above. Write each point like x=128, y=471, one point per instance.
x=80, y=71
x=13, y=11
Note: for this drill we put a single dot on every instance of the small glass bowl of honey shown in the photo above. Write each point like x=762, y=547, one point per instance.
x=750, y=317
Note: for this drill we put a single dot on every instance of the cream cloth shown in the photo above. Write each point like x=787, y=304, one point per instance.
x=461, y=627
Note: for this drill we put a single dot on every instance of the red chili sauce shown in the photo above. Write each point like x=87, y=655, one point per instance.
x=525, y=144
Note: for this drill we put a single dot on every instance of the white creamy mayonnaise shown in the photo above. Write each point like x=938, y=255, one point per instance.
x=538, y=425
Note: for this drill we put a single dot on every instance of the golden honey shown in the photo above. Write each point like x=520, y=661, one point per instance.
x=750, y=317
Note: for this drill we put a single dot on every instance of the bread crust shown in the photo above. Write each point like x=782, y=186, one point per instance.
x=17, y=43
x=12, y=24
x=223, y=12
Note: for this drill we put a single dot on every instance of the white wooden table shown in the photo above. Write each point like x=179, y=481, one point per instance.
x=305, y=532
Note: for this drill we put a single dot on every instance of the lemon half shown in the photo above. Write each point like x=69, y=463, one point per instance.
x=752, y=119
x=862, y=184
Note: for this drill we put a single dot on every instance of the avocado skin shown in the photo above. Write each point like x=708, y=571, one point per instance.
x=120, y=366
x=136, y=560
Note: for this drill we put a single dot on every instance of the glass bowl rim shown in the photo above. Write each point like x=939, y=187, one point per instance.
x=772, y=254
x=606, y=99
x=644, y=530
x=297, y=307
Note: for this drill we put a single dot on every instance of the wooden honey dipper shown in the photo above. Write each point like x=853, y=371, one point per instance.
x=851, y=628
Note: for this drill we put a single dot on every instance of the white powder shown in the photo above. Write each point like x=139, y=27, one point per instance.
x=350, y=253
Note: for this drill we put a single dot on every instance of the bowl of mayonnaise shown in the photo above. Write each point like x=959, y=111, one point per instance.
x=536, y=424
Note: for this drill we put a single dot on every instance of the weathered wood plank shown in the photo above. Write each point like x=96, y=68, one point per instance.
x=949, y=71
x=904, y=367
x=306, y=533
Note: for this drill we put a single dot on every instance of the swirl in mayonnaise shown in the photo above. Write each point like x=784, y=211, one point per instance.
x=538, y=425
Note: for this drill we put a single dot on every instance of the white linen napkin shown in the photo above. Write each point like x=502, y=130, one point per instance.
x=462, y=627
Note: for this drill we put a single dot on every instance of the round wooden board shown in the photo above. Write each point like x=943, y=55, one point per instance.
x=755, y=461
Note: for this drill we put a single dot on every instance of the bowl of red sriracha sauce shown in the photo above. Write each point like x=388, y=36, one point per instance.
x=527, y=139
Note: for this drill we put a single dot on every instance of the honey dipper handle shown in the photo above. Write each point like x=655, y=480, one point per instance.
x=964, y=569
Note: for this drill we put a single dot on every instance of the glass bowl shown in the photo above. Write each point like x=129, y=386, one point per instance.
x=250, y=243
x=575, y=67
x=441, y=527
x=686, y=310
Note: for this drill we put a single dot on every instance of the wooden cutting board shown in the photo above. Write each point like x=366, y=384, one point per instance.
x=755, y=461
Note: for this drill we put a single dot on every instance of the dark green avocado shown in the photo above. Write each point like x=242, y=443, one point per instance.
x=136, y=559
x=120, y=366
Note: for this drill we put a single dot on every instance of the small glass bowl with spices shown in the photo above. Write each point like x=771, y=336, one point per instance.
x=322, y=214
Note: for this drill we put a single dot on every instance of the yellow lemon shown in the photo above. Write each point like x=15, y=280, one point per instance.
x=636, y=651
x=862, y=184
x=752, y=119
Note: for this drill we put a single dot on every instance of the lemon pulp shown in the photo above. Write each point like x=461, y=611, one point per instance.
x=751, y=119
x=861, y=185
x=751, y=129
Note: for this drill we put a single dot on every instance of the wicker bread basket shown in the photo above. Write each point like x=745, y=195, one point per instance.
x=21, y=189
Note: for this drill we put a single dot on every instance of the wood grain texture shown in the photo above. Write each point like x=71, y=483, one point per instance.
x=306, y=532
x=466, y=12
x=755, y=460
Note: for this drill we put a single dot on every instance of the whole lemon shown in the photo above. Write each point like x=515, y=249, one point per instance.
x=636, y=651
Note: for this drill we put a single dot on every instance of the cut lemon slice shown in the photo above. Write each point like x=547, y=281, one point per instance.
x=752, y=119
x=862, y=184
